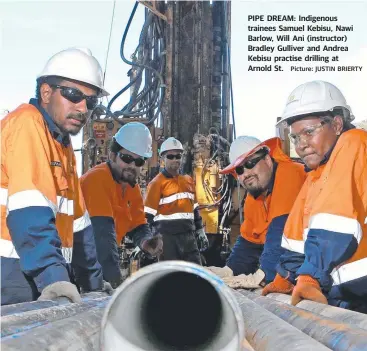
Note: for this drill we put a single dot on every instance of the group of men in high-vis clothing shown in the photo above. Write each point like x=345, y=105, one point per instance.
x=304, y=231
x=322, y=254
x=60, y=235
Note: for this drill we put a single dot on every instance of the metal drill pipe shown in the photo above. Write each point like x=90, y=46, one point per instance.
x=337, y=336
x=155, y=307
x=173, y=305
x=38, y=305
x=265, y=331
x=20, y=322
x=79, y=332
x=334, y=313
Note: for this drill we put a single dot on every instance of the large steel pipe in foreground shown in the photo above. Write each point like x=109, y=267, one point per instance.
x=267, y=332
x=336, y=336
x=335, y=313
x=173, y=305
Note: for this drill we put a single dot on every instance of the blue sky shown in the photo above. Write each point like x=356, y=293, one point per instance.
x=32, y=31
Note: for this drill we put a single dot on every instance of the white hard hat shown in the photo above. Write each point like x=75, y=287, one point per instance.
x=135, y=137
x=77, y=64
x=170, y=144
x=313, y=97
x=242, y=145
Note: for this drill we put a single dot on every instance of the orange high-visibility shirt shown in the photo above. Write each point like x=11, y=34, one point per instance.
x=328, y=223
x=104, y=197
x=260, y=212
x=41, y=201
x=171, y=202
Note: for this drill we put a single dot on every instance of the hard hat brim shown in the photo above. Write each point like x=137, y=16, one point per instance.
x=271, y=145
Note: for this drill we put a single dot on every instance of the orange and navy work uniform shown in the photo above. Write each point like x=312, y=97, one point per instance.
x=326, y=232
x=115, y=210
x=264, y=220
x=46, y=233
x=171, y=209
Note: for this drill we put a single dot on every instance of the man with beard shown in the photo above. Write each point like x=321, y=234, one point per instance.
x=114, y=200
x=47, y=241
x=272, y=182
x=171, y=209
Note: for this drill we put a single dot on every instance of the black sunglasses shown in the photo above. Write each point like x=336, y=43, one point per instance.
x=250, y=164
x=75, y=96
x=129, y=159
x=171, y=157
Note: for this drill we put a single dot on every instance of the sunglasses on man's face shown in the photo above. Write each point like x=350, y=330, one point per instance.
x=75, y=96
x=177, y=157
x=250, y=164
x=129, y=159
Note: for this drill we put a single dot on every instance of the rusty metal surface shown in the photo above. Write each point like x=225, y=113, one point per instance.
x=191, y=71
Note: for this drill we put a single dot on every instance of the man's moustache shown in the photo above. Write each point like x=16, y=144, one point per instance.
x=81, y=117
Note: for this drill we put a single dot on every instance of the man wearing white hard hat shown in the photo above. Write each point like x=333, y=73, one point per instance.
x=170, y=206
x=272, y=182
x=325, y=237
x=47, y=241
x=114, y=200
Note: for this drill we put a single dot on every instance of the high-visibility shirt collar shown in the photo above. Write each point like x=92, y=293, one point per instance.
x=53, y=128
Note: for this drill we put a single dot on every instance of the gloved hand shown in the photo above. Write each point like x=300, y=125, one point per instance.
x=221, y=272
x=278, y=285
x=202, y=239
x=107, y=288
x=115, y=283
x=61, y=289
x=307, y=288
x=243, y=281
x=153, y=246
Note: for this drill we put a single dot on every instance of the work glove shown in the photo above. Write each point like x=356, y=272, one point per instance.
x=153, y=246
x=221, y=272
x=202, y=239
x=243, y=281
x=61, y=289
x=107, y=288
x=307, y=288
x=115, y=283
x=278, y=285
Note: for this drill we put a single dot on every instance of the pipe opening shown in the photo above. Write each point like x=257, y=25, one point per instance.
x=169, y=306
x=181, y=311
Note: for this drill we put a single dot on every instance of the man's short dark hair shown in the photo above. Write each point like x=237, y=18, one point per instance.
x=115, y=147
x=50, y=80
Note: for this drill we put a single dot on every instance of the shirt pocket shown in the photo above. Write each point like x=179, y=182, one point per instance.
x=64, y=204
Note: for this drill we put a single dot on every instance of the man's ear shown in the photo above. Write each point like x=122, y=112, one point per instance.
x=338, y=124
x=268, y=160
x=45, y=92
